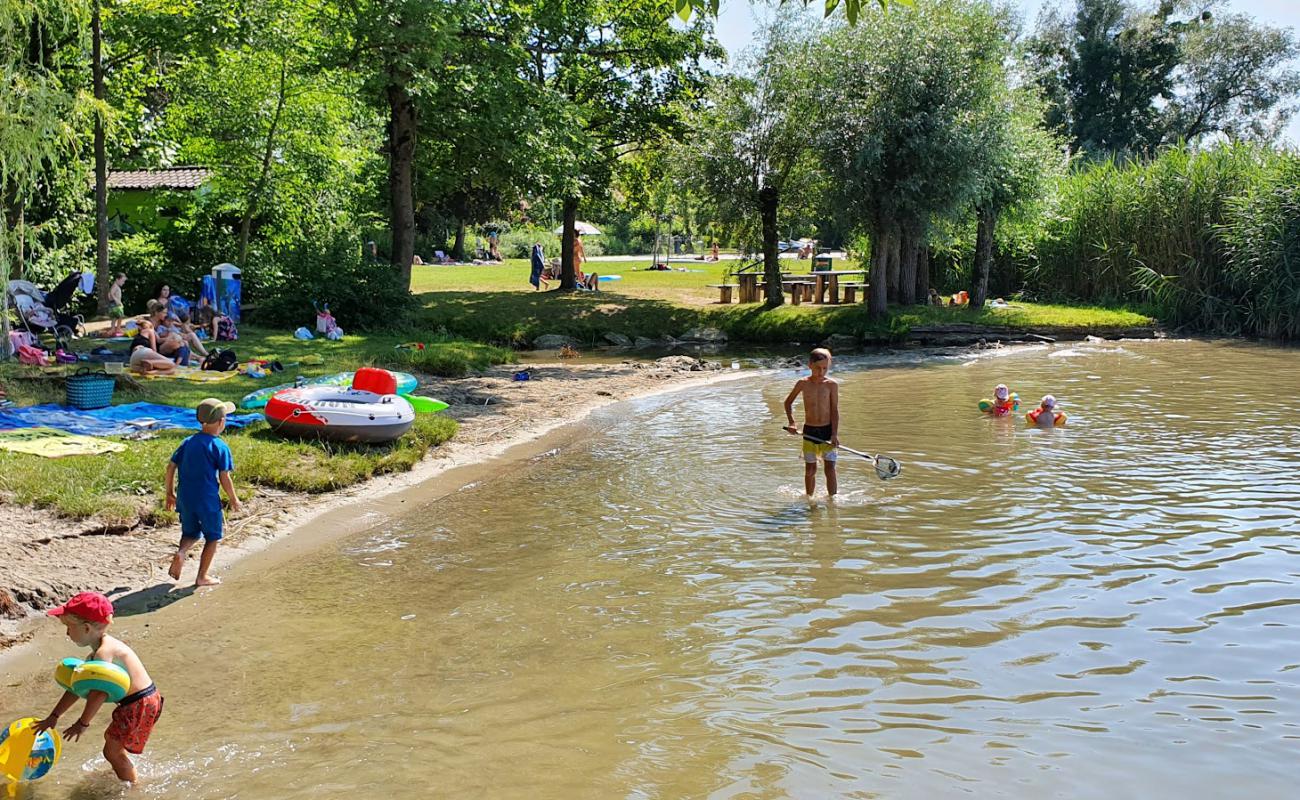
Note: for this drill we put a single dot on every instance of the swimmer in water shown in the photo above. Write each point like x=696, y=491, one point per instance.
x=821, y=420
x=1004, y=401
x=1046, y=415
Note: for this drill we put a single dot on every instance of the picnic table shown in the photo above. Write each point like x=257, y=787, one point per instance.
x=748, y=283
x=829, y=279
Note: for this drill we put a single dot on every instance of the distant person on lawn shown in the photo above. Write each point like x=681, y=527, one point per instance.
x=539, y=277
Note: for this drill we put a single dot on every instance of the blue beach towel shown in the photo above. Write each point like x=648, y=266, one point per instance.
x=111, y=421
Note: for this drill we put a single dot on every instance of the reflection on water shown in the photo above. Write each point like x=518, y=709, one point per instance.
x=1111, y=609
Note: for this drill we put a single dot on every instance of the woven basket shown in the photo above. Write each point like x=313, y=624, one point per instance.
x=89, y=390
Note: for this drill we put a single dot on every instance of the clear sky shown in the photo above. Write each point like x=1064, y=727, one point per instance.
x=736, y=23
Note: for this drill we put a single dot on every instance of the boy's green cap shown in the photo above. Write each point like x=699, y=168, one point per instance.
x=213, y=410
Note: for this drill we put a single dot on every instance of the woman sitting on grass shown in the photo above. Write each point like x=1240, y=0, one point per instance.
x=169, y=325
x=167, y=338
x=144, y=356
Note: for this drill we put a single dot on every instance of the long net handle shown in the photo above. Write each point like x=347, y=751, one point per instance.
x=886, y=466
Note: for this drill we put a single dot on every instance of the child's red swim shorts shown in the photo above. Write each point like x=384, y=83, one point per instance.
x=134, y=718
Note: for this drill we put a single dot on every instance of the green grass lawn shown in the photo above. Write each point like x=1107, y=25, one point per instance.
x=122, y=488
x=496, y=304
x=690, y=287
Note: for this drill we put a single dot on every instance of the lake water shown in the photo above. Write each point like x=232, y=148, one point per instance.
x=1107, y=610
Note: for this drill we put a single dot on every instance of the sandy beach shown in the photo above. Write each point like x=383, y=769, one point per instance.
x=45, y=558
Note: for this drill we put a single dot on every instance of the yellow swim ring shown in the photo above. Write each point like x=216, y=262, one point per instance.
x=63, y=672
x=101, y=676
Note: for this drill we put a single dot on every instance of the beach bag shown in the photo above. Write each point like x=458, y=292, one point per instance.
x=221, y=361
x=335, y=334
x=303, y=333
x=90, y=390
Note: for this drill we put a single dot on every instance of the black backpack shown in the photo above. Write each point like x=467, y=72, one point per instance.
x=221, y=361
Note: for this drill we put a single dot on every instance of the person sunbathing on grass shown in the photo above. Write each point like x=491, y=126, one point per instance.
x=144, y=358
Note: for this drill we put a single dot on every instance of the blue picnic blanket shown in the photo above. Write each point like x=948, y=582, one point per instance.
x=111, y=421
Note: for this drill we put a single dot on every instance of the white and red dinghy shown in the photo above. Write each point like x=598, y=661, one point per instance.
x=368, y=411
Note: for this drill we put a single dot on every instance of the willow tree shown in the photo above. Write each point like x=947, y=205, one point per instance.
x=1021, y=158
x=40, y=110
x=751, y=146
x=902, y=135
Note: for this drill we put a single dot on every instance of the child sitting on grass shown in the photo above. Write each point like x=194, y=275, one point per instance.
x=204, y=463
x=87, y=617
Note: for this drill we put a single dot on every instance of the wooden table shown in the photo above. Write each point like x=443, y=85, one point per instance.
x=830, y=279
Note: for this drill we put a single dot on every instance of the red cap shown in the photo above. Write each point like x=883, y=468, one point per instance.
x=90, y=606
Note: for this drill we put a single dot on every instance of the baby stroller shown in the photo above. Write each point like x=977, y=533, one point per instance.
x=41, y=312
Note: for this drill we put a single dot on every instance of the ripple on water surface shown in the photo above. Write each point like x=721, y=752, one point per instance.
x=1108, y=609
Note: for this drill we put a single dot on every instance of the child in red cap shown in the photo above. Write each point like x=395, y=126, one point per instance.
x=87, y=617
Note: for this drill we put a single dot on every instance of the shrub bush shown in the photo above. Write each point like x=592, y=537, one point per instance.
x=144, y=260
x=518, y=242
x=362, y=296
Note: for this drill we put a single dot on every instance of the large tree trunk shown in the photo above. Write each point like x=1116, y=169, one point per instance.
x=988, y=220
x=102, y=278
x=253, y=203
x=568, y=275
x=458, y=246
x=768, y=200
x=401, y=165
x=892, y=262
x=878, y=300
x=907, y=263
x=922, y=268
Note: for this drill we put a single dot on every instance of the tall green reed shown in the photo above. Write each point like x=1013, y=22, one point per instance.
x=1207, y=238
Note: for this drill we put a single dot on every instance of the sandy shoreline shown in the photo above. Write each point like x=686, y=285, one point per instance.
x=44, y=558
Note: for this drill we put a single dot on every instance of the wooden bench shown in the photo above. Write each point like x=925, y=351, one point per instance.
x=799, y=290
x=851, y=291
x=724, y=291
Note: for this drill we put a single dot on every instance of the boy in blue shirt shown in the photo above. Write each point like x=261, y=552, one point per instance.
x=204, y=464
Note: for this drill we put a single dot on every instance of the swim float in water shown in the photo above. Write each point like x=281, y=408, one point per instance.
x=26, y=755
x=1058, y=417
x=406, y=384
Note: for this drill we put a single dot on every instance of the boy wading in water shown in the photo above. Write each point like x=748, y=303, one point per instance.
x=87, y=617
x=203, y=463
x=821, y=420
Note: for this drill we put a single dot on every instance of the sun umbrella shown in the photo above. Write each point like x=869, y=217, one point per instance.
x=585, y=228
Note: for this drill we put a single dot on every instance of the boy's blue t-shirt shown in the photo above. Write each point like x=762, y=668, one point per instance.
x=198, y=460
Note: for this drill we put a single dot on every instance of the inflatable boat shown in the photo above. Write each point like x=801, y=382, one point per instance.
x=368, y=411
x=406, y=384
